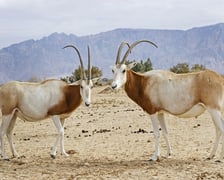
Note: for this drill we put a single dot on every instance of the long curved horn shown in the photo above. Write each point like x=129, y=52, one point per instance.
x=81, y=62
x=133, y=45
x=89, y=65
x=119, y=51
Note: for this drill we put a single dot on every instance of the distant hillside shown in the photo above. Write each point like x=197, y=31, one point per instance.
x=45, y=58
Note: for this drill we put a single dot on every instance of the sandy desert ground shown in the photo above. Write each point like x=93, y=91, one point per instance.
x=113, y=139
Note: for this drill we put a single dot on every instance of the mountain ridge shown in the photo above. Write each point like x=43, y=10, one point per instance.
x=45, y=58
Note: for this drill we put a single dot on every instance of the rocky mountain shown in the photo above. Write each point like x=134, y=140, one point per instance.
x=45, y=58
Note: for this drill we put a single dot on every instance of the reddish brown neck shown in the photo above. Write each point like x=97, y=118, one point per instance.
x=135, y=88
x=70, y=101
x=134, y=85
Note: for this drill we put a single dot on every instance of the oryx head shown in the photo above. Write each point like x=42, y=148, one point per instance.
x=85, y=83
x=120, y=68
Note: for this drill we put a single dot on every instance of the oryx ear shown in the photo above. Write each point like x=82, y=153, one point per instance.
x=131, y=65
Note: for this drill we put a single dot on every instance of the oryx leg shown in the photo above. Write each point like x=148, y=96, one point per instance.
x=219, y=124
x=155, y=125
x=218, y=135
x=62, y=139
x=9, y=135
x=165, y=133
x=60, y=128
x=6, y=120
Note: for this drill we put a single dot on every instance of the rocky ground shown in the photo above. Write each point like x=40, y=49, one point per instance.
x=113, y=139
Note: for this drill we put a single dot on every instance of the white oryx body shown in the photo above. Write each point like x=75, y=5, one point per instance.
x=183, y=95
x=38, y=101
x=185, y=90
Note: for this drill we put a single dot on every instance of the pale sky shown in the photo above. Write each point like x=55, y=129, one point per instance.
x=33, y=19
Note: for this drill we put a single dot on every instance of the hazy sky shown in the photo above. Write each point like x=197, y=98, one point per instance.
x=32, y=19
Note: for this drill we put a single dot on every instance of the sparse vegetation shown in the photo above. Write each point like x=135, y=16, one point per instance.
x=96, y=72
x=143, y=66
x=185, y=68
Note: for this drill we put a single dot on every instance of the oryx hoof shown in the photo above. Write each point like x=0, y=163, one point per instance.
x=53, y=156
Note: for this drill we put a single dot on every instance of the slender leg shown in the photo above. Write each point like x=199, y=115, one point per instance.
x=60, y=128
x=9, y=135
x=222, y=153
x=4, y=126
x=62, y=139
x=165, y=133
x=219, y=124
x=155, y=125
x=218, y=135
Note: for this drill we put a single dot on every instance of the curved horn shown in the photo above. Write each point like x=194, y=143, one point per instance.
x=119, y=51
x=89, y=65
x=133, y=45
x=81, y=62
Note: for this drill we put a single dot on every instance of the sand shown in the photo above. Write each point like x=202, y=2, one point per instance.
x=113, y=139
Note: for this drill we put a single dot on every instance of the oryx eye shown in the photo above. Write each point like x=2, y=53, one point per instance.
x=112, y=71
x=81, y=87
x=123, y=71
